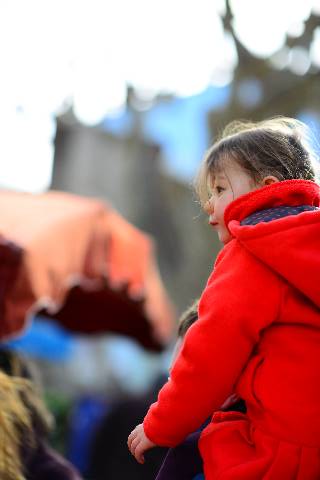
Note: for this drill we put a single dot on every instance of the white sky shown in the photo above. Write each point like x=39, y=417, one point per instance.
x=85, y=51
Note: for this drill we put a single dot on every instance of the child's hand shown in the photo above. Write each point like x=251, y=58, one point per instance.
x=138, y=443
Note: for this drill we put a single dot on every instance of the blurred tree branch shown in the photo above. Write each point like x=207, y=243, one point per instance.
x=283, y=91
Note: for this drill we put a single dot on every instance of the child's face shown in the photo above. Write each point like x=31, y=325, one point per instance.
x=227, y=185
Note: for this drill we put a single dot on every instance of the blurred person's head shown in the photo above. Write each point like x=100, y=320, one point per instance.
x=187, y=318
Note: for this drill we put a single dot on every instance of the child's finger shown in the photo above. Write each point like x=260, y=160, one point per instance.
x=139, y=453
x=131, y=437
x=134, y=444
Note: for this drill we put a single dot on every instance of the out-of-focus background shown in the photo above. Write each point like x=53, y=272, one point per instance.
x=118, y=100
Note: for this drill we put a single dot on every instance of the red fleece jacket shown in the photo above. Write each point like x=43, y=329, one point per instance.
x=258, y=334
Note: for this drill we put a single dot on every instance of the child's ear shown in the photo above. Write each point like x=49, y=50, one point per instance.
x=269, y=180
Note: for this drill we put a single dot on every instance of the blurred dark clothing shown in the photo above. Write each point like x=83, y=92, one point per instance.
x=87, y=412
x=110, y=458
x=184, y=461
x=43, y=463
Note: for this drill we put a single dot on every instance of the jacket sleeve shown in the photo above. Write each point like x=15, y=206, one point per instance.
x=242, y=297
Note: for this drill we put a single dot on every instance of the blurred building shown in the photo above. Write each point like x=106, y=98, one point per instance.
x=126, y=171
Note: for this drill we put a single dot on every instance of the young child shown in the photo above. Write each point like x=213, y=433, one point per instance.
x=258, y=332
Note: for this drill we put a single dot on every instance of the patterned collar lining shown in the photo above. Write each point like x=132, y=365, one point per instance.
x=275, y=213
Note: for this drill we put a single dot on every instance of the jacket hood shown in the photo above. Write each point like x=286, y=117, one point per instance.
x=290, y=245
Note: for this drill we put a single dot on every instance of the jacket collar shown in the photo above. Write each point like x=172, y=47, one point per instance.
x=286, y=193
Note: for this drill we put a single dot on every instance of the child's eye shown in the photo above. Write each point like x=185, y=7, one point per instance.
x=219, y=189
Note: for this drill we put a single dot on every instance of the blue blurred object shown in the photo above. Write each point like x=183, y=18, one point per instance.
x=133, y=367
x=44, y=339
x=120, y=124
x=86, y=416
x=311, y=118
x=180, y=126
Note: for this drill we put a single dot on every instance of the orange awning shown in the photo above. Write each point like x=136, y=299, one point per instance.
x=80, y=262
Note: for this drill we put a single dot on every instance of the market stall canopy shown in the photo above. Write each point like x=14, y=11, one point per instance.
x=78, y=261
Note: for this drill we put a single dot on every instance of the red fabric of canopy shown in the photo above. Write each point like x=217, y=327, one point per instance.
x=77, y=260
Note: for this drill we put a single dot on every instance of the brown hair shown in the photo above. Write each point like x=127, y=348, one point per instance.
x=188, y=317
x=276, y=146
